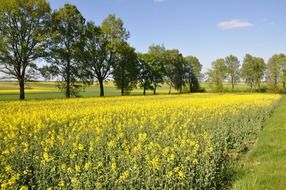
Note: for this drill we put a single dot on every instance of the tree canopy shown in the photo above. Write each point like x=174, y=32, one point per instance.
x=253, y=70
x=23, y=34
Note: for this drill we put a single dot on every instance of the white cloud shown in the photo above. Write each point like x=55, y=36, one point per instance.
x=234, y=24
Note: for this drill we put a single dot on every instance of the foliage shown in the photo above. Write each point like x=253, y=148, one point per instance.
x=174, y=142
x=145, y=72
x=23, y=34
x=253, y=70
x=66, y=40
x=232, y=69
x=275, y=70
x=126, y=69
x=217, y=74
x=174, y=69
x=156, y=53
x=193, y=74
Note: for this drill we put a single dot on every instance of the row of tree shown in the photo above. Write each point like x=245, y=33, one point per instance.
x=77, y=50
x=253, y=71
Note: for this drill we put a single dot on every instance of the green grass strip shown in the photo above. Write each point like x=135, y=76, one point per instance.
x=264, y=167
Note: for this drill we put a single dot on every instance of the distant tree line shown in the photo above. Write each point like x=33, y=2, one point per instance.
x=253, y=71
x=79, y=51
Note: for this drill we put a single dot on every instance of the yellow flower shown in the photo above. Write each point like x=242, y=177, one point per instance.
x=70, y=171
x=74, y=181
x=8, y=169
x=162, y=136
x=195, y=161
x=61, y=183
x=124, y=176
x=24, y=188
x=142, y=137
x=111, y=144
x=47, y=158
x=171, y=158
x=80, y=146
x=181, y=174
x=99, y=164
x=77, y=168
x=155, y=163
x=87, y=165
x=63, y=167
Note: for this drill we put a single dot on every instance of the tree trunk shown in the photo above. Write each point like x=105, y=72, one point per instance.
x=232, y=84
x=284, y=85
x=191, y=84
x=22, y=89
x=122, y=91
x=181, y=89
x=122, y=79
x=101, y=87
x=144, y=90
x=275, y=83
x=68, y=89
x=154, y=90
x=170, y=88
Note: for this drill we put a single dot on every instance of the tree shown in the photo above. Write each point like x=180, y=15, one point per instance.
x=23, y=34
x=232, y=69
x=156, y=53
x=126, y=69
x=174, y=69
x=66, y=43
x=275, y=69
x=180, y=71
x=193, y=74
x=217, y=74
x=145, y=72
x=96, y=57
x=253, y=70
x=112, y=38
x=283, y=76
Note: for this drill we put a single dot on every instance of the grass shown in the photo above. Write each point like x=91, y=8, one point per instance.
x=49, y=90
x=265, y=165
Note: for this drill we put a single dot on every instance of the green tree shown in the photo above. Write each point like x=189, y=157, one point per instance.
x=253, y=71
x=168, y=63
x=96, y=58
x=126, y=69
x=217, y=74
x=66, y=38
x=23, y=34
x=275, y=69
x=193, y=74
x=283, y=76
x=114, y=39
x=174, y=69
x=232, y=69
x=145, y=72
x=156, y=53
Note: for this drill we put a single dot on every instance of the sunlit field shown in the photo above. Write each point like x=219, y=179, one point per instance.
x=49, y=90
x=153, y=142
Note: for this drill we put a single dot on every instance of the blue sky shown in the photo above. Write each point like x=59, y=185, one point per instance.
x=208, y=29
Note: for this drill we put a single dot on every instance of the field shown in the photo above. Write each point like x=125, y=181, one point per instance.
x=135, y=142
x=49, y=90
